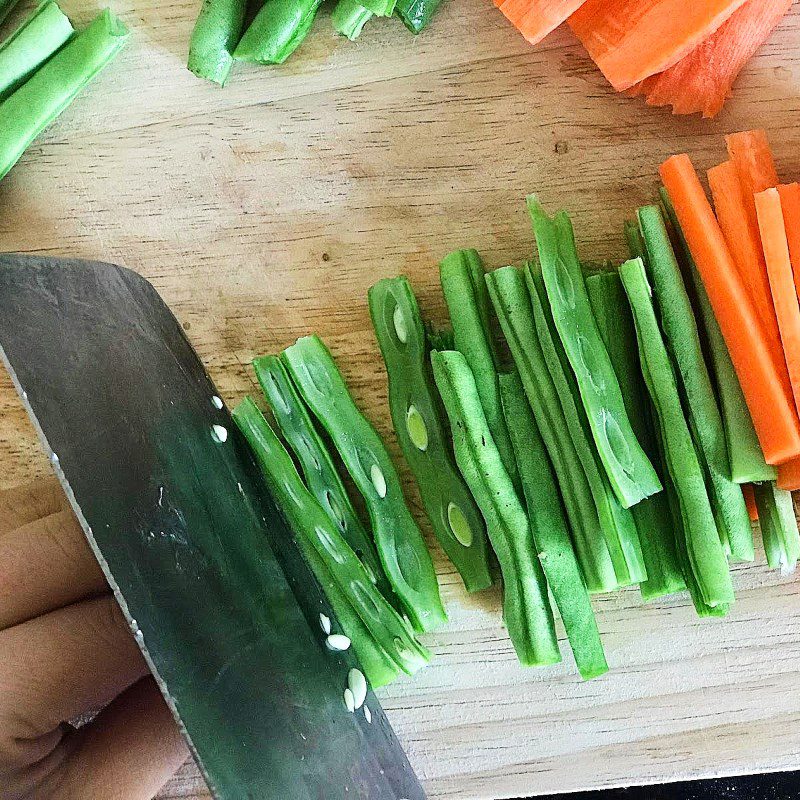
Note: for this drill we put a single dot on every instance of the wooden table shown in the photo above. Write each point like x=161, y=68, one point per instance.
x=265, y=211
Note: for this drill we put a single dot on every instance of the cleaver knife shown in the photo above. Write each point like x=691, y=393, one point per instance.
x=209, y=577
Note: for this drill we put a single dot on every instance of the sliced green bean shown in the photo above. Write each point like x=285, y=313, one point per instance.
x=417, y=14
x=464, y=286
x=214, y=38
x=778, y=523
x=313, y=527
x=277, y=31
x=652, y=516
x=526, y=606
x=513, y=306
x=401, y=547
x=455, y=518
x=39, y=36
x=29, y=110
x=349, y=18
x=705, y=552
x=631, y=474
x=381, y=8
x=551, y=532
x=319, y=471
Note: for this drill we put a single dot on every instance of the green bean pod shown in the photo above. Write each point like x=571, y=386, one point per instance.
x=29, y=110
x=417, y=14
x=349, y=18
x=778, y=523
x=631, y=474
x=277, y=31
x=216, y=33
x=551, y=532
x=380, y=8
x=526, y=606
x=401, y=547
x=313, y=528
x=455, y=518
x=705, y=553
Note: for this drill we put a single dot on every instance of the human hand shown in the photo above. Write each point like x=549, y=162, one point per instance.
x=66, y=651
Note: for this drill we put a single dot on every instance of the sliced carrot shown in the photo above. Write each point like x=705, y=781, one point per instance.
x=750, y=499
x=752, y=157
x=790, y=202
x=701, y=81
x=632, y=39
x=789, y=475
x=534, y=19
x=766, y=390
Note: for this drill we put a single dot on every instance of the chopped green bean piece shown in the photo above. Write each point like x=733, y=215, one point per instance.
x=778, y=523
x=277, y=31
x=214, y=38
x=380, y=8
x=349, y=18
x=417, y=14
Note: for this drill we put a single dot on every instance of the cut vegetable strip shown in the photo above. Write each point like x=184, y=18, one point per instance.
x=750, y=499
x=41, y=35
x=630, y=472
x=751, y=155
x=349, y=18
x=314, y=529
x=778, y=523
x=790, y=203
x=402, y=549
x=534, y=19
x=704, y=551
x=512, y=303
x=765, y=389
x=632, y=39
x=526, y=606
x=550, y=531
x=214, y=38
x=789, y=475
x=51, y=89
x=652, y=516
x=420, y=430
x=416, y=14
x=319, y=471
x=700, y=403
x=277, y=31
x=381, y=8
x=744, y=451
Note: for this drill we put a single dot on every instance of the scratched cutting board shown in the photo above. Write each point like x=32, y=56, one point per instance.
x=285, y=195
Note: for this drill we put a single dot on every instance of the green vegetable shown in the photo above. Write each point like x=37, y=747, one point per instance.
x=381, y=8
x=464, y=286
x=420, y=430
x=616, y=522
x=27, y=112
x=417, y=14
x=746, y=457
x=513, y=306
x=631, y=474
x=652, y=516
x=700, y=403
x=349, y=18
x=402, y=550
x=277, y=31
x=551, y=532
x=778, y=526
x=41, y=35
x=319, y=471
x=216, y=33
x=704, y=551
x=390, y=641
x=526, y=607
x=6, y=7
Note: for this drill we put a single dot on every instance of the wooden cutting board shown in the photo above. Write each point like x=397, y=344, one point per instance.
x=264, y=211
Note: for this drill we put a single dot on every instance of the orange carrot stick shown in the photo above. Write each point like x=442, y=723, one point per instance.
x=789, y=475
x=750, y=499
x=534, y=19
x=766, y=390
x=752, y=157
x=790, y=202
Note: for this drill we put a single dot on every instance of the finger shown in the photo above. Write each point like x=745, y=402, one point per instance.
x=60, y=665
x=45, y=565
x=23, y=504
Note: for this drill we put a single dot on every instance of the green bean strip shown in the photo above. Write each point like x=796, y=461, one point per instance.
x=616, y=522
x=27, y=112
x=700, y=403
x=349, y=18
x=417, y=14
x=746, y=457
x=778, y=524
x=551, y=532
x=6, y=7
x=319, y=471
x=526, y=606
x=652, y=516
x=381, y=8
x=513, y=306
x=313, y=528
x=705, y=553
x=404, y=556
x=631, y=474
x=464, y=286
x=41, y=35
x=277, y=31
x=455, y=518
x=214, y=38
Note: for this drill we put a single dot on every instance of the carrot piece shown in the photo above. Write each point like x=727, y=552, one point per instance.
x=789, y=475
x=766, y=389
x=750, y=499
x=701, y=81
x=790, y=202
x=632, y=39
x=534, y=19
x=751, y=154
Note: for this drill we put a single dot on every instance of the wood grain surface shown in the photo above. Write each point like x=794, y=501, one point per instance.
x=264, y=211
